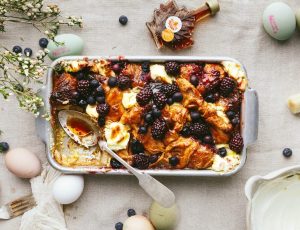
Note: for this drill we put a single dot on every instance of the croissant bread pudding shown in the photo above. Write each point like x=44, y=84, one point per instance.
x=171, y=115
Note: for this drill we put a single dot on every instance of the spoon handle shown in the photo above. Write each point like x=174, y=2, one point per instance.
x=159, y=192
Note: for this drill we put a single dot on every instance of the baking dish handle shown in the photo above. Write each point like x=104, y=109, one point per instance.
x=41, y=122
x=251, y=117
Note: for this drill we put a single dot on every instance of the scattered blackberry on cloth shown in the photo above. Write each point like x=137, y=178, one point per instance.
x=199, y=129
x=159, y=99
x=227, y=86
x=172, y=68
x=236, y=143
x=159, y=129
x=140, y=161
x=144, y=96
x=103, y=109
x=83, y=87
x=124, y=82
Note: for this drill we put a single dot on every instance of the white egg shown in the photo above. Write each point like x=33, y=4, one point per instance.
x=22, y=163
x=163, y=218
x=67, y=188
x=137, y=222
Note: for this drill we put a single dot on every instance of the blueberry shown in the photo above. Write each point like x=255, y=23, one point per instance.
x=94, y=83
x=153, y=158
x=136, y=147
x=90, y=100
x=17, y=49
x=75, y=95
x=194, y=80
x=142, y=130
x=177, y=97
x=170, y=101
x=43, y=42
x=28, y=52
x=210, y=98
x=287, y=152
x=112, y=82
x=4, y=147
x=80, y=75
x=119, y=226
x=149, y=118
x=101, y=121
x=123, y=20
x=230, y=114
x=222, y=152
x=156, y=113
x=208, y=139
x=173, y=161
x=116, y=68
x=195, y=115
x=82, y=103
x=185, y=131
x=115, y=164
x=100, y=99
x=146, y=67
x=100, y=91
x=131, y=212
x=235, y=121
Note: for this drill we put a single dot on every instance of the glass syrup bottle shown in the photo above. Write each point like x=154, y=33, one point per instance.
x=173, y=26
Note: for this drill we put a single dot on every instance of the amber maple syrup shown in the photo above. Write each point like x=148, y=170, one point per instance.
x=78, y=127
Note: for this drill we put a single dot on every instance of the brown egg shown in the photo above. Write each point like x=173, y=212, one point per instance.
x=22, y=163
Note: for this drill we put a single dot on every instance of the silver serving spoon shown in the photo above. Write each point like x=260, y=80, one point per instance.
x=84, y=131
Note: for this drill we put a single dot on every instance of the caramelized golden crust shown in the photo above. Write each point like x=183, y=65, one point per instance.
x=201, y=158
x=176, y=115
x=134, y=72
x=114, y=99
x=64, y=85
x=193, y=99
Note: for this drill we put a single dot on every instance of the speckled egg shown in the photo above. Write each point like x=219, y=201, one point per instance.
x=163, y=218
x=279, y=21
x=22, y=163
x=137, y=222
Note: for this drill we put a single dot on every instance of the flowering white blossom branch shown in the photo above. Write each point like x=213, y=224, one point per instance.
x=44, y=18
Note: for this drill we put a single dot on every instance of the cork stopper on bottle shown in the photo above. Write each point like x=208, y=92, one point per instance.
x=213, y=5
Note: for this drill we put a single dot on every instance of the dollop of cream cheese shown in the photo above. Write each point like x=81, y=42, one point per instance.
x=236, y=71
x=227, y=163
x=276, y=204
x=117, y=135
x=158, y=71
x=129, y=99
x=91, y=111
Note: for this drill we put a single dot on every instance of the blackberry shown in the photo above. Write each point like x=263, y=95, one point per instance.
x=83, y=87
x=103, y=109
x=144, y=96
x=172, y=68
x=146, y=67
x=199, y=129
x=136, y=147
x=212, y=86
x=160, y=100
x=170, y=89
x=159, y=129
x=101, y=121
x=124, y=82
x=236, y=142
x=227, y=86
x=141, y=161
x=115, y=164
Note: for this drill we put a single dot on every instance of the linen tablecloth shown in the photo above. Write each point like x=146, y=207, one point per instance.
x=205, y=203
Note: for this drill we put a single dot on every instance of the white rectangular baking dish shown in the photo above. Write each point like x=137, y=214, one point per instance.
x=249, y=120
